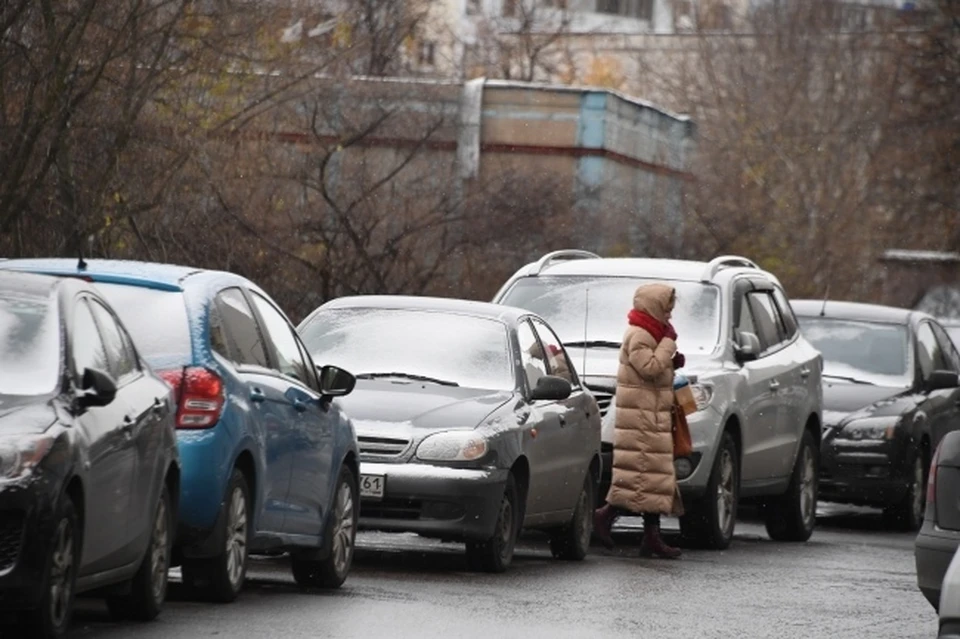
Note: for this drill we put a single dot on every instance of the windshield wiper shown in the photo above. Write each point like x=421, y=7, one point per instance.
x=419, y=378
x=597, y=343
x=849, y=379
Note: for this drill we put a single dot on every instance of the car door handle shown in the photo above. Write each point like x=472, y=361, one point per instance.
x=300, y=405
x=563, y=420
x=804, y=373
x=256, y=395
x=158, y=405
x=774, y=385
x=127, y=425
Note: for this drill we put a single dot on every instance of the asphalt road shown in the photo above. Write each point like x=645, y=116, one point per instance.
x=852, y=580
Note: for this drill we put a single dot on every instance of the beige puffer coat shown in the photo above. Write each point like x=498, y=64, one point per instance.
x=643, y=475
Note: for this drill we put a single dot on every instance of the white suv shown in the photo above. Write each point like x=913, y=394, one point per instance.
x=756, y=434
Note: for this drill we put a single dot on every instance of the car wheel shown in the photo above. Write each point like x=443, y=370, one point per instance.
x=907, y=515
x=52, y=618
x=710, y=522
x=793, y=515
x=148, y=588
x=220, y=578
x=496, y=554
x=340, y=537
x=573, y=540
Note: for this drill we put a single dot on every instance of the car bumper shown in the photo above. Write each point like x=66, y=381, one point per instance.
x=206, y=460
x=933, y=552
x=434, y=501
x=865, y=473
x=26, y=529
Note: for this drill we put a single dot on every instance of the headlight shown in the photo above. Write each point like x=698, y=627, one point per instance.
x=19, y=455
x=702, y=394
x=454, y=445
x=869, y=429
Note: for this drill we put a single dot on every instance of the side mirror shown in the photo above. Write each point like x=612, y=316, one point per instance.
x=335, y=382
x=940, y=380
x=98, y=388
x=551, y=388
x=749, y=348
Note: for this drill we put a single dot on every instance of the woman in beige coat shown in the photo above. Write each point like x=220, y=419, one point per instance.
x=644, y=482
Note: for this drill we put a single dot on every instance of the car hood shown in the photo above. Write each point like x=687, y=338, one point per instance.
x=412, y=409
x=25, y=415
x=598, y=366
x=844, y=400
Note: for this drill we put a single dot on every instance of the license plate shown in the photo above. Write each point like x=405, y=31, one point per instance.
x=371, y=486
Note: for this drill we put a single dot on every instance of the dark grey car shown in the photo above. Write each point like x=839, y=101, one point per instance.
x=471, y=420
x=940, y=535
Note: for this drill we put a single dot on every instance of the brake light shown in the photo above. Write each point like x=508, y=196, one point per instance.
x=199, y=395
x=932, y=482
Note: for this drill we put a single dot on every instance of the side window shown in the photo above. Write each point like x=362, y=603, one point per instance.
x=120, y=354
x=87, y=347
x=928, y=351
x=556, y=358
x=745, y=322
x=312, y=378
x=951, y=356
x=233, y=330
x=767, y=319
x=280, y=334
x=533, y=366
x=786, y=313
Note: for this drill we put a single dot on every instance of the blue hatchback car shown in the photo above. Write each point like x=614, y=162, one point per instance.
x=269, y=461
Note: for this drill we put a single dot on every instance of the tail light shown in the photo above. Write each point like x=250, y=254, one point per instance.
x=932, y=482
x=199, y=395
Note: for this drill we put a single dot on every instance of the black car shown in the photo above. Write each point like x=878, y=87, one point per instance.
x=940, y=535
x=89, y=470
x=890, y=394
x=471, y=419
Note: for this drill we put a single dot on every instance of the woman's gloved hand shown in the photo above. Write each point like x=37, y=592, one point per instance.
x=679, y=360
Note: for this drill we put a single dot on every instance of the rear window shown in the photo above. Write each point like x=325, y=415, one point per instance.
x=157, y=321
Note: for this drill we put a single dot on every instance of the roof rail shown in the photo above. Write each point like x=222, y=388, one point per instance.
x=725, y=261
x=564, y=254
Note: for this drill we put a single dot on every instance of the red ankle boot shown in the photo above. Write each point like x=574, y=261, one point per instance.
x=654, y=546
x=603, y=519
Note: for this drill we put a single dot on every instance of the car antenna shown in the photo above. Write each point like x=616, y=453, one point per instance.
x=81, y=263
x=826, y=296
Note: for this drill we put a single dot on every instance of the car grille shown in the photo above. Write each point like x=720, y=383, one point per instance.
x=382, y=446
x=604, y=398
x=408, y=509
x=11, y=536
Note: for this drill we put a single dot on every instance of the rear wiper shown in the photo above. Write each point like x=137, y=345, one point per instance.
x=598, y=343
x=419, y=378
x=849, y=379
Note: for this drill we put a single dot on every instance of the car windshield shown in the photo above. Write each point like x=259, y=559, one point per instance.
x=157, y=322
x=863, y=351
x=442, y=347
x=29, y=345
x=592, y=309
x=954, y=332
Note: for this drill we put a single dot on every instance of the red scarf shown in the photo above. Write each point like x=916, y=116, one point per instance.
x=648, y=323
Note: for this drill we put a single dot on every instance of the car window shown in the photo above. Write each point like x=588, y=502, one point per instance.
x=556, y=357
x=534, y=367
x=280, y=334
x=790, y=324
x=312, y=379
x=30, y=344
x=767, y=319
x=87, y=345
x=233, y=330
x=928, y=351
x=120, y=354
x=952, y=358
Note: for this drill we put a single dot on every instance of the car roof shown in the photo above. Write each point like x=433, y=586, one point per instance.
x=39, y=287
x=486, y=310
x=169, y=277
x=855, y=311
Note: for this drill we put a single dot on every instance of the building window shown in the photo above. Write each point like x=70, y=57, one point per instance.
x=642, y=9
x=427, y=54
x=509, y=8
x=473, y=7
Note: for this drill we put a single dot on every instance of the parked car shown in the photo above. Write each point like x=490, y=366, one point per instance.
x=890, y=393
x=755, y=378
x=950, y=601
x=940, y=535
x=269, y=462
x=471, y=419
x=89, y=471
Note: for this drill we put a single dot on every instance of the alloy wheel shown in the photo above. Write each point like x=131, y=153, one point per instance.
x=917, y=487
x=808, y=487
x=159, y=559
x=236, y=536
x=344, y=533
x=725, y=491
x=584, y=522
x=61, y=571
x=506, y=528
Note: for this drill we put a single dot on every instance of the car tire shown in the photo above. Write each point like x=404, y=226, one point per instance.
x=710, y=522
x=148, y=588
x=793, y=515
x=496, y=554
x=571, y=542
x=907, y=514
x=220, y=578
x=51, y=619
x=340, y=537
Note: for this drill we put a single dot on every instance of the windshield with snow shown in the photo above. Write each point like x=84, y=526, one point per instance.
x=871, y=352
x=594, y=309
x=443, y=348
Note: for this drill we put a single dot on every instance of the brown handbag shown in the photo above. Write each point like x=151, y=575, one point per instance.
x=682, y=443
